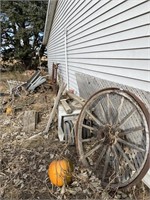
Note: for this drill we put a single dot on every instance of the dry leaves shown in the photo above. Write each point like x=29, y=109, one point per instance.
x=24, y=165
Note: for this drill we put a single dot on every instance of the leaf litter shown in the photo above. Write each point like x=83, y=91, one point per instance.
x=24, y=165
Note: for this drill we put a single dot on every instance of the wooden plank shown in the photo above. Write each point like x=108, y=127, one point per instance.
x=66, y=106
x=52, y=114
x=76, y=98
x=30, y=120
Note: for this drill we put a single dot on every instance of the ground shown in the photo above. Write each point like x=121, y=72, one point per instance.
x=24, y=162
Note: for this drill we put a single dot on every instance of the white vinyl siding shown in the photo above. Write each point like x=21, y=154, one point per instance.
x=108, y=39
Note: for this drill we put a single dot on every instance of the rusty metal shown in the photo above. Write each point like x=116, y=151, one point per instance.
x=54, y=76
x=118, y=146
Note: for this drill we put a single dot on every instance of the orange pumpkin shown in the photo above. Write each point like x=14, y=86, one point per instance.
x=60, y=172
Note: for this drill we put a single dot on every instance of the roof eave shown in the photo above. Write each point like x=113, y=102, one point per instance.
x=49, y=20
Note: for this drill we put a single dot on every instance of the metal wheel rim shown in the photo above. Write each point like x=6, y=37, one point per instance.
x=143, y=113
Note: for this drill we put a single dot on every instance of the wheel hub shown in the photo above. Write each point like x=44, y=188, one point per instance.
x=108, y=135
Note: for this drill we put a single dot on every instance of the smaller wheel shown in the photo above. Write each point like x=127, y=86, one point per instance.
x=113, y=137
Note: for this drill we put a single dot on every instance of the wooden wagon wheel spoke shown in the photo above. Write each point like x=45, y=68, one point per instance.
x=106, y=163
x=131, y=145
x=127, y=173
x=139, y=160
x=90, y=128
x=92, y=151
x=100, y=157
x=135, y=160
x=131, y=130
x=88, y=140
x=126, y=118
x=109, y=107
x=124, y=156
x=103, y=113
x=95, y=119
x=119, y=110
x=112, y=105
x=116, y=159
x=113, y=137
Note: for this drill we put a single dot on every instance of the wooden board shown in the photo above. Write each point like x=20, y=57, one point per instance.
x=30, y=120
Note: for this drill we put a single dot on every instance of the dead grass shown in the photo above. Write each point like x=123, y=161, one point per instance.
x=23, y=173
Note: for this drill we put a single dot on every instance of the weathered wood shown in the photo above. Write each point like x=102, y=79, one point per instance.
x=98, y=121
x=139, y=158
x=127, y=117
x=30, y=120
x=116, y=159
x=134, y=146
x=92, y=151
x=106, y=163
x=108, y=108
x=89, y=127
x=76, y=105
x=119, y=110
x=131, y=130
x=100, y=157
x=127, y=160
x=88, y=140
x=133, y=157
x=125, y=156
x=76, y=98
x=52, y=114
x=102, y=112
x=33, y=77
x=66, y=106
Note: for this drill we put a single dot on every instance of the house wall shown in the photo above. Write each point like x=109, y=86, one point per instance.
x=106, y=39
x=88, y=85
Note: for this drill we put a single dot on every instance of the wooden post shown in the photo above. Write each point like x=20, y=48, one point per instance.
x=52, y=114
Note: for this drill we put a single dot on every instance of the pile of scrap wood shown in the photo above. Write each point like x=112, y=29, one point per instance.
x=36, y=80
x=39, y=80
x=52, y=114
x=68, y=100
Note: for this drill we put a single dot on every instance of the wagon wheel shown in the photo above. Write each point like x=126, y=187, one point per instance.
x=113, y=137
